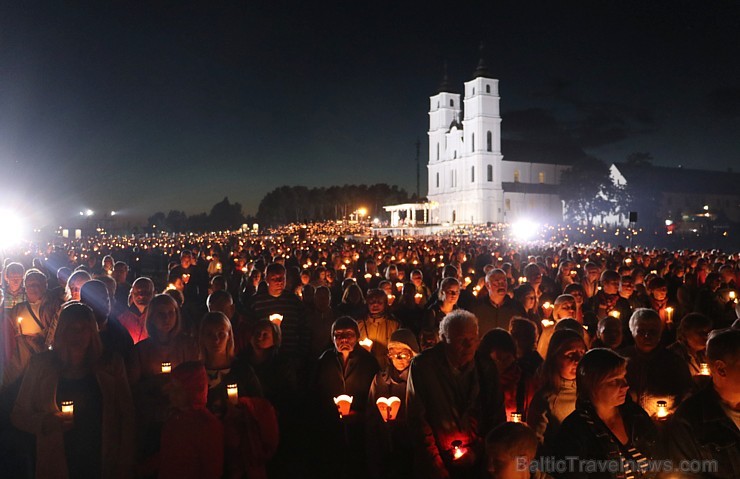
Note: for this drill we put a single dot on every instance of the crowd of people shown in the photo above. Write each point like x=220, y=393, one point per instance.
x=310, y=352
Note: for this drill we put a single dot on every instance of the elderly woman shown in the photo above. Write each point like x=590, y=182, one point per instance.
x=388, y=436
x=556, y=398
x=96, y=439
x=606, y=425
x=654, y=373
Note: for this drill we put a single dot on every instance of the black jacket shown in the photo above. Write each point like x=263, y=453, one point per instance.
x=700, y=430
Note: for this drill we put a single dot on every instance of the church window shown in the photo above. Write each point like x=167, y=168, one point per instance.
x=489, y=172
x=437, y=104
x=472, y=142
x=488, y=88
x=508, y=204
x=516, y=176
x=452, y=102
x=452, y=179
x=472, y=174
x=489, y=141
x=454, y=154
x=437, y=151
x=542, y=177
x=473, y=90
x=437, y=180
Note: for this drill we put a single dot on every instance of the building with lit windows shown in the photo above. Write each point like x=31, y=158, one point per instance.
x=471, y=179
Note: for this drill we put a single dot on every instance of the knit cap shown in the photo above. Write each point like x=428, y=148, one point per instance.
x=404, y=338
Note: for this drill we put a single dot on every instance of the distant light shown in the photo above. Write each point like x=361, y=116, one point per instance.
x=82, y=213
x=113, y=213
x=362, y=211
x=706, y=207
x=668, y=222
x=376, y=220
x=89, y=212
x=11, y=228
x=524, y=229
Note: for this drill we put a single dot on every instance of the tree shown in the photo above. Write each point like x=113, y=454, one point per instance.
x=588, y=192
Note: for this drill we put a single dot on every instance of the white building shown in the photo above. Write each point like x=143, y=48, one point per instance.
x=469, y=179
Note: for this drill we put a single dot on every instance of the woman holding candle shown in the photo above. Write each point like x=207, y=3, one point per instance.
x=606, y=425
x=563, y=307
x=216, y=349
x=147, y=373
x=388, y=441
x=96, y=437
x=556, y=397
x=691, y=343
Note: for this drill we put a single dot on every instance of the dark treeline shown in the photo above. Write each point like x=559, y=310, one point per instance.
x=290, y=204
x=224, y=215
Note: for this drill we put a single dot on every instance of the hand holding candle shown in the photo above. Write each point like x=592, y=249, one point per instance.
x=276, y=319
x=232, y=391
x=166, y=367
x=68, y=411
x=669, y=314
x=367, y=343
x=343, y=403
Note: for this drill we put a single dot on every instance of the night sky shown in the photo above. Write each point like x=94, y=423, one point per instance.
x=146, y=106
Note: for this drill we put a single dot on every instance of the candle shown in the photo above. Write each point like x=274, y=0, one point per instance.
x=704, y=369
x=186, y=278
x=68, y=409
x=457, y=450
x=232, y=390
x=669, y=314
x=166, y=368
x=367, y=343
x=547, y=305
x=417, y=297
x=20, y=326
x=388, y=407
x=368, y=276
x=522, y=280
x=276, y=319
x=343, y=403
x=614, y=314
x=399, y=286
x=547, y=323
x=516, y=417
x=662, y=410
x=468, y=280
x=733, y=296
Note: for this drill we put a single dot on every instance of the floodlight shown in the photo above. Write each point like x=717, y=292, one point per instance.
x=11, y=228
x=524, y=229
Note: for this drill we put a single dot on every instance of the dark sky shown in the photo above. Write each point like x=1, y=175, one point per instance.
x=151, y=105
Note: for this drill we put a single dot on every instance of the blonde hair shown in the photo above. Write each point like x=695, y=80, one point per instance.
x=215, y=318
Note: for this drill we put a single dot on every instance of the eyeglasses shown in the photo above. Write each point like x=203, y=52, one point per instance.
x=399, y=356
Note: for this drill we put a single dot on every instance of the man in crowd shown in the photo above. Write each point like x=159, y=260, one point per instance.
x=496, y=309
x=445, y=404
x=707, y=425
x=133, y=317
x=291, y=311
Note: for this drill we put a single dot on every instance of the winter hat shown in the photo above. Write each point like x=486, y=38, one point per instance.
x=404, y=338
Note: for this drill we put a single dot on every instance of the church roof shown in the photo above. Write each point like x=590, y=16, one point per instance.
x=529, y=188
x=536, y=152
x=680, y=180
x=482, y=69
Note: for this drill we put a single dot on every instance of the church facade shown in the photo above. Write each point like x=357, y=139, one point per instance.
x=469, y=179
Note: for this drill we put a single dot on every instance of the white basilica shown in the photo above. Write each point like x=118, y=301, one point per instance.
x=470, y=181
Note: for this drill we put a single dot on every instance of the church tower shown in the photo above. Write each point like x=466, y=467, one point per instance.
x=444, y=116
x=482, y=192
